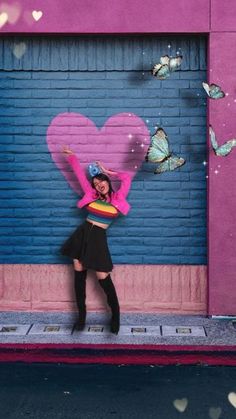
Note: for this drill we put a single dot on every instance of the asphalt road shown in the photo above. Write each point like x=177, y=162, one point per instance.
x=56, y=391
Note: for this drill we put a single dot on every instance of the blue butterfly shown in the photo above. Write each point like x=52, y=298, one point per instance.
x=225, y=148
x=158, y=152
x=163, y=69
x=213, y=91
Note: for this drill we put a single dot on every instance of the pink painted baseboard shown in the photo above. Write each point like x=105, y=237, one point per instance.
x=180, y=289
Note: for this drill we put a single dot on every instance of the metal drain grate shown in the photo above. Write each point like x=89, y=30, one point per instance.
x=96, y=329
x=14, y=329
x=55, y=329
x=186, y=331
x=138, y=330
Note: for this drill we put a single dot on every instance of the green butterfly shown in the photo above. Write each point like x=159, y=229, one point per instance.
x=213, y=90
x=166, y=65
x=158, y=152
x=225, y=148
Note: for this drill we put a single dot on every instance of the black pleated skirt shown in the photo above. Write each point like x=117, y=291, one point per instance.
x=89, y=245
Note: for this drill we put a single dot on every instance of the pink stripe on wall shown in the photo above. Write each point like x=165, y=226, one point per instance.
x=176, y=289
x=110, y=16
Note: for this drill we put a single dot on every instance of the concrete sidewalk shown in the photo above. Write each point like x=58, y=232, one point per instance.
x=136, y=329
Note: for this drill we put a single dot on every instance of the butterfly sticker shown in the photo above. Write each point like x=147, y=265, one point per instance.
x=213, y=91
x=166, y=65
x=158, y=152
x=225, y=148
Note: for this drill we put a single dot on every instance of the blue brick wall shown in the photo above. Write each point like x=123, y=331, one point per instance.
x=100, y=77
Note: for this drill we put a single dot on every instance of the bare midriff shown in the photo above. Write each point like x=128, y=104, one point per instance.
x=96, y=223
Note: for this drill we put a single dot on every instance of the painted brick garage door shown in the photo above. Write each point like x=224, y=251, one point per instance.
x=99, y=77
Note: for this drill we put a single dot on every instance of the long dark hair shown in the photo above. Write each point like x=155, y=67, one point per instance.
x=101, y=177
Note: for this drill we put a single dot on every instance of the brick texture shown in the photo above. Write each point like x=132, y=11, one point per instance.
x=100, y=77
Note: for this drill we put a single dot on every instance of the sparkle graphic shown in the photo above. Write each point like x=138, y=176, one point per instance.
x=147, y=120
x=204, y=163
x=216, y=171
x=142, y=145
x=132, y=150
x=130, y=136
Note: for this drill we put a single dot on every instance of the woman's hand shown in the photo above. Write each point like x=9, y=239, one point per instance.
x=104, y=170
x=67, y=151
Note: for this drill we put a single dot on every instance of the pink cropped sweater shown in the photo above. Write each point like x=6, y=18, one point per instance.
x=90, y=194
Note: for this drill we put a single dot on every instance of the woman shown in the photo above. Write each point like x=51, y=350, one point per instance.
x=87, y=246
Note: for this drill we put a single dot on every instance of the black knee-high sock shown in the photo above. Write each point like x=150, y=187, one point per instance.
x=112, y=300
x=80, y=295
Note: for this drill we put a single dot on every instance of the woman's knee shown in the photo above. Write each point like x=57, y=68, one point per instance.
x=102, y=275
x=78, y=265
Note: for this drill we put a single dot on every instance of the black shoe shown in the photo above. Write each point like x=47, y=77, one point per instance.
x=115, y=324
x=112, y=300
x=80, y=324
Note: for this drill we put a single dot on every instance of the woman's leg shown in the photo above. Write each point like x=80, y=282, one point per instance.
x=80, y=293
x=107, y=285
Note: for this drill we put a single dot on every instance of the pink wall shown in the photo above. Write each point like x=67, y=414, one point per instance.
x=140, y=288
x=110, y=16
x=223, y=16
x=222, y=187
x=215, y=17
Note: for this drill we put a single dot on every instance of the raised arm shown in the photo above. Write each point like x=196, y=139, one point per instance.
x=77, y=169
x=125, y=183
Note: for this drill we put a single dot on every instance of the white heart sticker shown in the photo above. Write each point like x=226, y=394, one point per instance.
x=37, y=14
x=232, y=398
x=215, y=412
x=180, y=404
x=19, y=50
x=3, y=19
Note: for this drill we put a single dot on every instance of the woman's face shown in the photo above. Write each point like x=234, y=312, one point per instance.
x=101, y=186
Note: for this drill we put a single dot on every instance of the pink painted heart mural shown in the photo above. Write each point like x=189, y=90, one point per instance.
x=121, y=144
